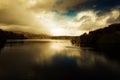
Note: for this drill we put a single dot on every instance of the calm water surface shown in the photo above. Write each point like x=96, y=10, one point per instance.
x=53, y=60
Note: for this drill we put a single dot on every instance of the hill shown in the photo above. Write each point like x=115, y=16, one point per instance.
x=106, y=40
x=106, y=36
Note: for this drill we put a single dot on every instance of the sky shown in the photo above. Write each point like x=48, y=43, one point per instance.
x=58, y=17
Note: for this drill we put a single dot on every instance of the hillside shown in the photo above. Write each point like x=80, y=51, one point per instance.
x=106, y=36
x=106, y=40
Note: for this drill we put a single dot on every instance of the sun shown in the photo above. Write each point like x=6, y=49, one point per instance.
x=57, y=32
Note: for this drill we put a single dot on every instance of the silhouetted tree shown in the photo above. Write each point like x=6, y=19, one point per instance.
x=2, y=38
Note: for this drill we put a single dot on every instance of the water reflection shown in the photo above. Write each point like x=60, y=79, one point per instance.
x=45, y=54
x=42, y=60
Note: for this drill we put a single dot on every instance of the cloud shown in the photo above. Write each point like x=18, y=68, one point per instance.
x=16, y=13
x=98, y=5
x=89, y=20
x=61, y=6
x=82, y=22
x=43, y=5
x=67, y=17
x=66, y=5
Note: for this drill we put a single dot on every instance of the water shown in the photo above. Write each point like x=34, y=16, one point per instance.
x=53, y=60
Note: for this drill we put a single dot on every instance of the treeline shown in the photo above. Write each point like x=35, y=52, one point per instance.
x=64, y=37
x=10, y=35
x=5, y=35
x=2, y=38
x=46, y=36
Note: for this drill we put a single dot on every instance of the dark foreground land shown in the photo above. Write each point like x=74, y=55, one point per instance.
x=106, y=40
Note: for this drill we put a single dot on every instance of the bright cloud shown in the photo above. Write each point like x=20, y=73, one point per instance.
x=56, y=17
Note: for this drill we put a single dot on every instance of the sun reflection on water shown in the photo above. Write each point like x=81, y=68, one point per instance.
x=57, y=48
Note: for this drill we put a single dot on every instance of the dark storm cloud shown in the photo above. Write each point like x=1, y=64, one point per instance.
x=82, y=5
x=98, y=5
x=66, y=5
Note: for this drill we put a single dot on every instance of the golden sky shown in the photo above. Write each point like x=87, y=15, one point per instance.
x=57, y=17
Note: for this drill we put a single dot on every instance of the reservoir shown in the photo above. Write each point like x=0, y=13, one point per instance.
x=46, y=59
